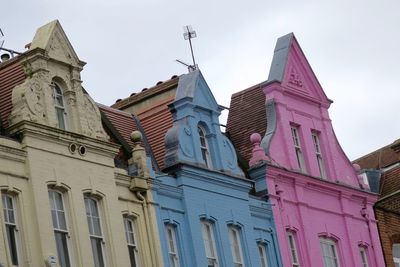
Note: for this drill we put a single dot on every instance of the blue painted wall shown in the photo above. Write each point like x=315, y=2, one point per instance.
x=219, y=193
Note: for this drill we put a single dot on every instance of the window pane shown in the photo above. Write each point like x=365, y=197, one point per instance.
x=61, y=220
x=97, y=252
x=96, y=226
x=132, y=256
x=62, y=249
x=12, y=244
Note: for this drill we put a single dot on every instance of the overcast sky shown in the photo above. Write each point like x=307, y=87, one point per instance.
x=352, y=46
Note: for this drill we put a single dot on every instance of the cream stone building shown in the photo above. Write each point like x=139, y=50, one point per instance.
x=64, y=202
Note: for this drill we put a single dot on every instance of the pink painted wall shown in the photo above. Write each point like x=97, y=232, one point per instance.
x=336, y=207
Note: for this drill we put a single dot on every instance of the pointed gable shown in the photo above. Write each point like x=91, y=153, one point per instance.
x=52, y=38
x=291, y=69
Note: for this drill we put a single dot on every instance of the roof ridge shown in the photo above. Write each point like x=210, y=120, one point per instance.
x=111, y=109
x=369, y=154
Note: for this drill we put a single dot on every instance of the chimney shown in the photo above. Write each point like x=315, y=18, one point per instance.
x=5, y=57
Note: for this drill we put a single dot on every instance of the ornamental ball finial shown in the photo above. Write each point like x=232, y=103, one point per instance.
x=255, y=138
x=136, y=136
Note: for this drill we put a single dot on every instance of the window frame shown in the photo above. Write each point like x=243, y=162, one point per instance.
x=263, y=254
x=291, y=238
x=332, y=248
x=211, y=244
x=396, y=260
x=58, y=96
x=173, y=250
x=15, y=253
x=318, y=154
x=99, y=239
x=57, y=230
x=204, y=146
x=235, y=240
x=364, y=256
x=131, y=235
x=297, y=147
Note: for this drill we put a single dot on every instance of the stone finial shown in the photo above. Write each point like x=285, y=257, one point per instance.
x=258, y=154
x=138, y=162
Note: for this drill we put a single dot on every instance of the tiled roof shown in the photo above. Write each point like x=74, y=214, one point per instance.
x=378, y=159
x=247, y=115
x=11, y=75
x=151, y=107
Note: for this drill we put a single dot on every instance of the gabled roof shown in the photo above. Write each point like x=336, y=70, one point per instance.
x=247, y=115
x=151, y=108
x=11, y=75
x=378, y=159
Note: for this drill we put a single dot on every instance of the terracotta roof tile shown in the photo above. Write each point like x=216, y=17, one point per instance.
x=378, y=159
x=11, y=75
x=247, y=115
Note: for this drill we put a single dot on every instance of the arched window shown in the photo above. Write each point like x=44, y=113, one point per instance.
x=205, y=153
x=59, y=106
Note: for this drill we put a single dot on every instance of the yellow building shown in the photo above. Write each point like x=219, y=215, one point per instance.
x=64, y=201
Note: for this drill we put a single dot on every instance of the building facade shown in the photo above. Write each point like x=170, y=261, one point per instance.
x=323, y=208
x=64, y=202
x=206, y=214
x=385, y=162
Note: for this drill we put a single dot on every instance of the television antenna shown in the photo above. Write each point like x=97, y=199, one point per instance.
x=1, y=38
x=189, y=34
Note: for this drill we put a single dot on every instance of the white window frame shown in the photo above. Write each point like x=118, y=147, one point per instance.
x=59, y=107
x=331, y=259
x=318, y=154
x=55, y=212
x=364, y=256
x=204, y=146
x=297, y=146
x=173, y=252
x=292, y=244
x=97, y=237
x=396, y=260
x=207, y=229
x=236, y=246
x=11, y=224
x=131, y=240
x=263, y=254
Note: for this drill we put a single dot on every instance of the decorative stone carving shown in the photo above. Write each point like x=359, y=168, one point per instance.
x=28, y=100
x=91, y=119
x=295, y=78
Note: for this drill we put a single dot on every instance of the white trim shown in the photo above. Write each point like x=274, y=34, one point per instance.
x=263, y=254
x=131, y=238
x=294, y=256
x=236, y=246
x=329, y=252
x=204, y=148
x=209, y=243
x=173, y=253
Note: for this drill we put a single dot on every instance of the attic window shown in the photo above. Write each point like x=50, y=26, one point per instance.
x=59, y=106
x=204, y=146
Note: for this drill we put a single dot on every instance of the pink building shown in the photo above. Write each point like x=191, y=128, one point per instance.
x=322, y=208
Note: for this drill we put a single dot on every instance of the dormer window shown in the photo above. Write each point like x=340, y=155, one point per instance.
x=318, y=155
x=297, y=147
x=204, y=146
x=59, y=106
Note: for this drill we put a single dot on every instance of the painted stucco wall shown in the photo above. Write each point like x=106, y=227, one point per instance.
x=217, y=192
x=337, y=206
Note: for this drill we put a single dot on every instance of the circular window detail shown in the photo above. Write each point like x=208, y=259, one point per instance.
x=72, y=148
x=82, y=150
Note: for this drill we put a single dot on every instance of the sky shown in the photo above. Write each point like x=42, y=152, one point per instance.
x=352, y=46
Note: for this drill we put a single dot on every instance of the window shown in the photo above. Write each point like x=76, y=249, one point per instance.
x=172, y=246
x=293, y=249
x=131, y=240
x=60, y=227
x=59, y=105
x=396, y=254
x=262, y=251
x=204, y=146
x=236, y=247
x=10, y=221
x=297, y=146
x=209, y=244
x=96, y=236
x=318, y=154
x=364, y=257
x=329, y=252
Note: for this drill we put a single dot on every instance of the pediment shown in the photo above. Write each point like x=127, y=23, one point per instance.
x=52, y=38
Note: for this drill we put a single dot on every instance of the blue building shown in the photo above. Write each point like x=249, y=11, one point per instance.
x=206, y=212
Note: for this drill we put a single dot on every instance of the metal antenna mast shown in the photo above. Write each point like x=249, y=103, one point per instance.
x=1, y=38
x=188, y=34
